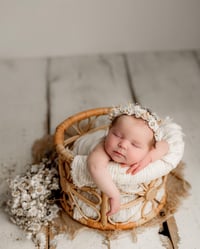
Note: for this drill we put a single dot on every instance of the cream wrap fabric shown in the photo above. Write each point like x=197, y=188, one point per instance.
x=168, y=131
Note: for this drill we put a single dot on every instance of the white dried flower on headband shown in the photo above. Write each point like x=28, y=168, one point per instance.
x=136, y=110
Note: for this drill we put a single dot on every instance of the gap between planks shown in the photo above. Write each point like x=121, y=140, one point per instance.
x=173, y=231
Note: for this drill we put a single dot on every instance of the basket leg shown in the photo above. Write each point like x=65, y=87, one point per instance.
x=104, y=210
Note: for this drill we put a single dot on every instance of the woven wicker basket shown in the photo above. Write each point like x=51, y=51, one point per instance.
x=65, y=136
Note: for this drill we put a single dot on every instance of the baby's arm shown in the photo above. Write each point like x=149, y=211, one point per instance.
x=97, y=165
x=161, y=149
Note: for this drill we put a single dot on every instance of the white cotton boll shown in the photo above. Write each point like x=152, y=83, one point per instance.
x=25, y=205
x=33, y=195
x=54, y=186
x=25, y=197
x=20, y=212
x=34, y=168
x=16, y=203
x=15, y=193
x=32, y=212
x=35, y=227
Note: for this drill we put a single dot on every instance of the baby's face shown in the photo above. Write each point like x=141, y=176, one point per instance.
x=128, y=140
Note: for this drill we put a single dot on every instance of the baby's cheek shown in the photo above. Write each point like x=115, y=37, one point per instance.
x=132, y=159
x=108, y=148
x=136, y=156
x=110, y=144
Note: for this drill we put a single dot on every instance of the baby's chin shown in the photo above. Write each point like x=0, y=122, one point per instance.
x=118, y=160
x=114, y=159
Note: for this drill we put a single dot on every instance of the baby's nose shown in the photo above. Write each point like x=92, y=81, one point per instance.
x=123, y=144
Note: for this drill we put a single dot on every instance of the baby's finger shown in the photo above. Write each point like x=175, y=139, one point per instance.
x=136, y=170
x=131, y=169
x=123, y=165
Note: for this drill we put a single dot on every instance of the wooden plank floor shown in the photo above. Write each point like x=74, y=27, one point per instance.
x=37, y=94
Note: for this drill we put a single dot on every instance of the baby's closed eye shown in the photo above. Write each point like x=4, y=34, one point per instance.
x=136, y=145
x=117, y=134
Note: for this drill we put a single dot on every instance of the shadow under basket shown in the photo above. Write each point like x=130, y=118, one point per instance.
x=74, y=199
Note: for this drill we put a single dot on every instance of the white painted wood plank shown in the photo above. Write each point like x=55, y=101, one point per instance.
x=145, y=239
x=125, y=239
x=23, y=116
x=11, y=236
x=87, y=239
x=169, y=83
x=23, y=112
x=80, y=83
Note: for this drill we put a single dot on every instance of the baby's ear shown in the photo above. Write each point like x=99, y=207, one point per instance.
x=153, y=147
x=153, y=144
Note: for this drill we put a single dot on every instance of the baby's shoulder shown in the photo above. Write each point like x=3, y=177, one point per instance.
x=86, y=143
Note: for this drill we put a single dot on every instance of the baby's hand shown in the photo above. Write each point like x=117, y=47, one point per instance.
x=136, y=167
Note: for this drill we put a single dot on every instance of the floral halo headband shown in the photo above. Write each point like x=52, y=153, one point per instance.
x=153, y=121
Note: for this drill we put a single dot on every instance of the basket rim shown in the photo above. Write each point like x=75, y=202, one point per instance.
x=64, y=125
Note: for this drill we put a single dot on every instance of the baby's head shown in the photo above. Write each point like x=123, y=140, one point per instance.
x=131, y=135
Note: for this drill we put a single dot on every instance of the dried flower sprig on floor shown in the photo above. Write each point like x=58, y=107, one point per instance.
x=32, y=203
